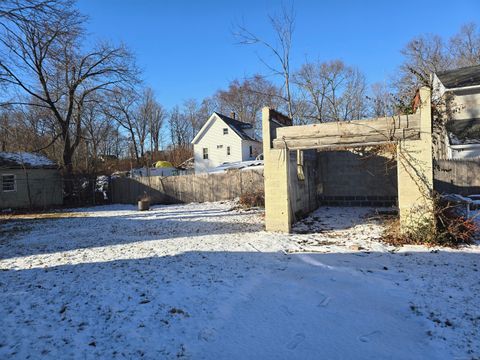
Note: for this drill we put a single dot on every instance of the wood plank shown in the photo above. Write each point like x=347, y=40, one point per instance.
x=318, y=142
x=353, y=127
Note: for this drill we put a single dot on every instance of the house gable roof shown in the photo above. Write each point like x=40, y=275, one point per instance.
x=238, y=127
x=24, y=160
x=463, y=77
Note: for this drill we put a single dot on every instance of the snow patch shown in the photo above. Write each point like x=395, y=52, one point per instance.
x=205, y=281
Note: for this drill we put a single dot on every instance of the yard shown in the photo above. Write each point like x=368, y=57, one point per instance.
x=204, y=281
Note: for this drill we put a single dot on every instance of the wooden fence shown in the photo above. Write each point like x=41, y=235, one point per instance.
x=457, y=176
x=451, y=176
x=187, y=188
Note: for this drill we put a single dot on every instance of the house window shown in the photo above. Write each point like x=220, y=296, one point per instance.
x=251, y=150
x=8, y=183
x=205, y=153
x=228, y=150
x=225, y=131
x=219, y=146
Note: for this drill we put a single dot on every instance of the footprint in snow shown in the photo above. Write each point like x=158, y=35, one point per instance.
x=207, y=334
x=286, y=310
x=367, y=337
x=297, y=340
x=325, y=300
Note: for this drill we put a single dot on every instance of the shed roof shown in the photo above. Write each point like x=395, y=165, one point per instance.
x=467, y=76
x=20, y=160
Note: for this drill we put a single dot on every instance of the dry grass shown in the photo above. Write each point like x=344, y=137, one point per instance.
x=252, y=199
x=451, y=229
x=40, y=216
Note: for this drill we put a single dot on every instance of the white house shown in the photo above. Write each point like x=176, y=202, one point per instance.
x=460, y=90
x=223, y=140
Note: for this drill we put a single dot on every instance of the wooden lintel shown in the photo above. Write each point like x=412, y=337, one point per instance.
x=386, y=126
x=344, y=141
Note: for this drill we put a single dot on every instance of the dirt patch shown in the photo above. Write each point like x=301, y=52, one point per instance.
x=40, y=216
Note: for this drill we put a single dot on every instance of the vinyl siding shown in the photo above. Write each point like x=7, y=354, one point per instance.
x=46, y=189
x=466, y=105
x=257, y=149
x=213, y=137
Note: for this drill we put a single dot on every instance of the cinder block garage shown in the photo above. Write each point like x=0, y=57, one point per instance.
x=308, y=165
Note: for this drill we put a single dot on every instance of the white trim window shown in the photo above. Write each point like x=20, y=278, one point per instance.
x=228, y=150
x=9, y=183
x=205, y=153
x=225, y=131
x=251, y=150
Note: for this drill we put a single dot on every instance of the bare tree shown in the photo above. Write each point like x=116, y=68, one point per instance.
x=314, y=85
x=465, y=46
x=121, y=107
x=192, y=112
x=99, y=131
x=154, y=115
x=149, y=121
x=331, y=91
x=246, y=99
x=283, y=25
x=424, y=55
x=141, y=125
x=44, y=64
x=13, y=11
x=428, y=54
x=382, y=101
x=180, y=128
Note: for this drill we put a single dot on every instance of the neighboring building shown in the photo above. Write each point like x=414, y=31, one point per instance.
x=29, y=181
x=459, y=92
x=223, y=140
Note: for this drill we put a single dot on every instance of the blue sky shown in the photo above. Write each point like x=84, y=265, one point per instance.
x=186, y=48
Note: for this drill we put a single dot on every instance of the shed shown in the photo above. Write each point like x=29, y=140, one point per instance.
x=29, y=180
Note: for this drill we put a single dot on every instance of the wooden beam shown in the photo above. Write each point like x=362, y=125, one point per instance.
x=351, y=146
x=381, y=125
x=350, y=140
x=348, y=133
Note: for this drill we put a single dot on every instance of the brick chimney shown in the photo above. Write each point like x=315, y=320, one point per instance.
x=233, y=115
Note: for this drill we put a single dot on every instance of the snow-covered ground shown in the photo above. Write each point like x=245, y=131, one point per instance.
x=204, y=281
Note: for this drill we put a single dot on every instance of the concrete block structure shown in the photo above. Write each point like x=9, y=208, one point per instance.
x=277, y=197
x=291, y=161
x=415, y=171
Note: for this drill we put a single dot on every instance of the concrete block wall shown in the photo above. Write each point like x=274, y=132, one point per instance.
x=278, y=212
x=415, y=171
x=303, y=192
x=347, y=178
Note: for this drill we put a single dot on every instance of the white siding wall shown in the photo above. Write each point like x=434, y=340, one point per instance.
x=464, y=105
x=467, y=105
x=213, y=137
x=257, y=149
